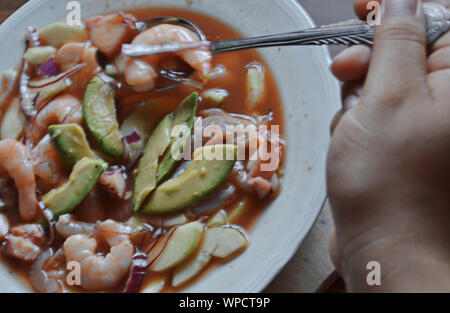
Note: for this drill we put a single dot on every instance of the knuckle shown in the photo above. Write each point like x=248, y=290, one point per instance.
x=403, y=29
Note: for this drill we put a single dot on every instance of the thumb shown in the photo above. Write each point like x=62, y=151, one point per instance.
x=398, y=64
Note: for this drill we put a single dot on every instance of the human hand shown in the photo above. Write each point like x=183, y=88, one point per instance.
x=389, y=159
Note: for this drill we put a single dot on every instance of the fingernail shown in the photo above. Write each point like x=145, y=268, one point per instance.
x=400, y=7
x=344, y=54
x=350, y=102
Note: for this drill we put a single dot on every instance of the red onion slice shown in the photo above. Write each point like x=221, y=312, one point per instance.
x=49, y=68
x=137, y=273
x=32, y=36
x=133, y=137
x=54, y=79
x=48, y=216
x=26, y=96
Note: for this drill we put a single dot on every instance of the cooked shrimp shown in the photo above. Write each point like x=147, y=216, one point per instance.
x=261, y=167
x=114, y=232
x=141, y=73
x=256, y=176
x=69, y=55
x=63, y=109
x=67, y=226
x=24, y=242
x=74, y=53
x=109, y=32
x=114, y=181
x=101, y=272
x=48, y=168
x=34, y=232
x=16, y=161
x=21, y=248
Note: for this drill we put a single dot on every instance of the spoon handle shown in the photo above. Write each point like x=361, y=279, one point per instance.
x=351, y=32
x=345, y=33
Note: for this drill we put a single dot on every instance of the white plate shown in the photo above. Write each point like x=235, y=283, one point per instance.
x=310, y=97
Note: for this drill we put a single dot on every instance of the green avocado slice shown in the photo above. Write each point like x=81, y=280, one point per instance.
x=201, y=178
x=146, y=178
x=99, y=111
x=64, y=199
x=71, y=143
x=184, y=115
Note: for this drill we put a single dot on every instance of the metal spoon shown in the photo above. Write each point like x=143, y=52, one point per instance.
x=170, y=75
x=351, y=32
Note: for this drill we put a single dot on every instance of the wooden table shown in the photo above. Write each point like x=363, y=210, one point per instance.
x=311, y=264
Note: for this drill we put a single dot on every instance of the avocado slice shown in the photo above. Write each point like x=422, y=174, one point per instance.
x=203, y=176
x=99, y=111
x=184, y=115
x=146, y=178
x=65, y=198
x=71, y=143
